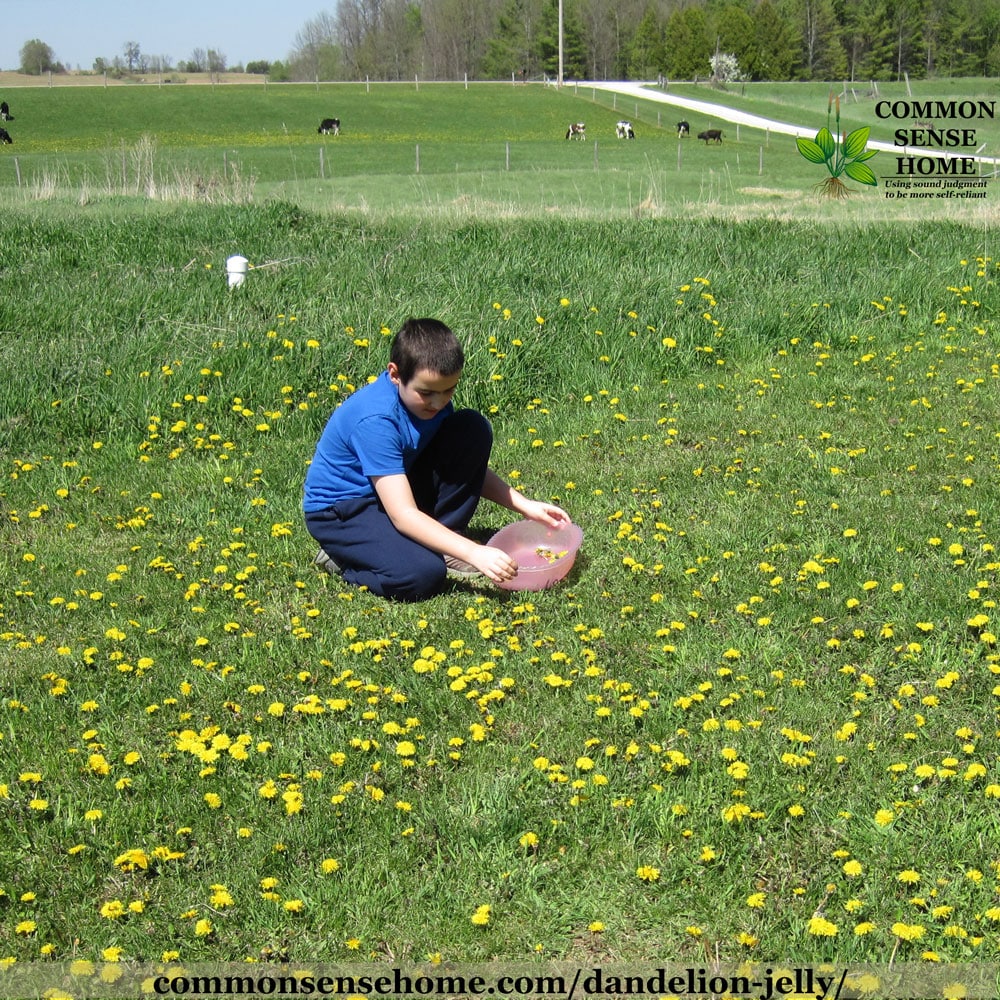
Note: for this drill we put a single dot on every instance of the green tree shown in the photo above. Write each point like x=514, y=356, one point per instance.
x=645, y=56
x=775, y=55
x=38, y=58
x=734, y=33
x=514, y=45
x=904, y=21
x=689, y=45
x=823, y=56
x=574, y=57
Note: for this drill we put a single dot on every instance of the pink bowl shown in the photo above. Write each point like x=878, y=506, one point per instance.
x=544, y=555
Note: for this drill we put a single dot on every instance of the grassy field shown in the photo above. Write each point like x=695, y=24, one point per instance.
x=487, y=150
x=758, y=721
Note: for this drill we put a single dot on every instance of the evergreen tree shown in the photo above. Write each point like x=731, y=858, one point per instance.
x=734, y=33
x=514, y=45
x=688, y=45
x=775, y=51
x=574, y=58
x=823, y=56
x=904, y=18
x=645, y=58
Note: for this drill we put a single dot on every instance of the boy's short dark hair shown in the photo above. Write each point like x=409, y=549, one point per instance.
x=428, y=344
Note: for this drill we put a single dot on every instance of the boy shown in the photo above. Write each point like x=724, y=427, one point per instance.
x=398, y=473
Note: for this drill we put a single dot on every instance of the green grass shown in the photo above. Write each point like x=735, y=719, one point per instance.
x=778, y=440
x=439, y=150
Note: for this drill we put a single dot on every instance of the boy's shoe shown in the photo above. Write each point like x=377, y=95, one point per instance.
x=459, y=569
x=326, y=563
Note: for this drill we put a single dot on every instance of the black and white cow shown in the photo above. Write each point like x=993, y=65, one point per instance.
x=683, y=129
x=5, y=138
x=578, y=130
x=624, y=130
x=329, y=126
x=5, y=115
x=711, y=135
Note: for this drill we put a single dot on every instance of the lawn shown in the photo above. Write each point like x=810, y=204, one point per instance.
x=758, y=722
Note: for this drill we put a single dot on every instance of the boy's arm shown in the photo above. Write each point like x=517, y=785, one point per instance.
x=502, y=493
x=397, y=498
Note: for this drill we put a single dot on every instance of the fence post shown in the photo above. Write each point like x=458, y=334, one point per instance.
x=508, y=156
x=595, y=154
x=418, y=157
x=17, y=170
x=322, y=164
x=760, y=162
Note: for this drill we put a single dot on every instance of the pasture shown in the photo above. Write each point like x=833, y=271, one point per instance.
x=758, y=722
x=486, y=150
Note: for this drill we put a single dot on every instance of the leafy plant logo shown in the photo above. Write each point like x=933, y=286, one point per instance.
x=846, y=156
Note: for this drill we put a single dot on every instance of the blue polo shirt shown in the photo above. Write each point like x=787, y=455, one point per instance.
x=370, y=434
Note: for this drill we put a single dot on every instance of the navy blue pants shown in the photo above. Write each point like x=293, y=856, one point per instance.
x=446, y=481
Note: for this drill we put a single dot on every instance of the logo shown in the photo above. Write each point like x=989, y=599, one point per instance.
x=845, y=156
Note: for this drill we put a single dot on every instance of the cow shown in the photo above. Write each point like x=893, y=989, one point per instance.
x=683, y=129
x=624, y=130
x=711, y=135
x=329, y=126
x=578, y=130
x=5, y=115
x=5, y=139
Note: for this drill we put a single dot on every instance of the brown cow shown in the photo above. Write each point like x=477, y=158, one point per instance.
x=711, y=135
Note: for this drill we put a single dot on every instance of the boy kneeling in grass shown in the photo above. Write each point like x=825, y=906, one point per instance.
x=398, y=473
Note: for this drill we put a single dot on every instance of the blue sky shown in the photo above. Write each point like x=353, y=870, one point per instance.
x=78, y=31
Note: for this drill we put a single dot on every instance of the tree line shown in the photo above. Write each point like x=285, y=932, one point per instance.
x=37, y=58
x=856, y=40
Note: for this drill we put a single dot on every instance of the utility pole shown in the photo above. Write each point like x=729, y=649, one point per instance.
x=559, y=80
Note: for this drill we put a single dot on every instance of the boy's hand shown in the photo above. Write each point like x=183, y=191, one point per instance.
x=546, y=513
x=494, y=563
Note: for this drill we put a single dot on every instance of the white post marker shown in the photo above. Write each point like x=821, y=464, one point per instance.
x=236, y=270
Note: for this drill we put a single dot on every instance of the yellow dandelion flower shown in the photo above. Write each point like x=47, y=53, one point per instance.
x=821, y=927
